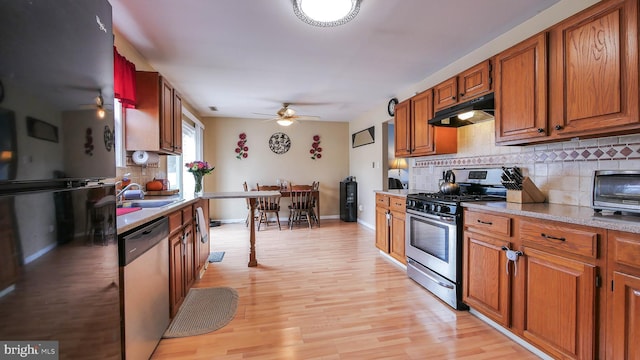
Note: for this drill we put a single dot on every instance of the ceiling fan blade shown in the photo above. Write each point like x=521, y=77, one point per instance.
x=307, y=117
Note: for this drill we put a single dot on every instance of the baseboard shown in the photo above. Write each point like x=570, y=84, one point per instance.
x=393, y=260
x=510, y=335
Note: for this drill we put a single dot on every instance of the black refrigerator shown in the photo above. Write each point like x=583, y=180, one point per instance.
x=59, y=284
x=349, y=200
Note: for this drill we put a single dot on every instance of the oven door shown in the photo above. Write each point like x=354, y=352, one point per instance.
x=432, y=241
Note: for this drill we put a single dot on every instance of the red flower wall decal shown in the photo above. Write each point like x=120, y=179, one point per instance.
x=315, y=148
x=242, y=150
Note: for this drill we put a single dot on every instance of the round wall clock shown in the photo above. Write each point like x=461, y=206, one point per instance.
x=279, y=143
x=391, y=107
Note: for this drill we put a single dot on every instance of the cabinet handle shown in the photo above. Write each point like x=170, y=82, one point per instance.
x=558, y=127
x=552, y=237
x=485, y=222
x=462, y=95
x=453, y=98
x=540, y=130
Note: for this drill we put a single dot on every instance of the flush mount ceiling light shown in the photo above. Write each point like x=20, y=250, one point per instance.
x=284, y=122
x=326, y=13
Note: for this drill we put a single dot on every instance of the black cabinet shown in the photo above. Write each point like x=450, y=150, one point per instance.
x=348, y=201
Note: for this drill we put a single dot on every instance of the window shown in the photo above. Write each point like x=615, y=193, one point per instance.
x=177, y=174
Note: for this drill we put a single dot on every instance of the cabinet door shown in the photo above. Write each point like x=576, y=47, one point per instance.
x=486, y=283
x=177, y=123
x=560, y=304
x=445, y=94
x=396, y=236
x=626, y=312
x=594, y=70
x=521, y=92
x=421, y=131
x=474, y=81
x=166, y=115
x=402, y=129
x=189, y=257
x=382, y=228
x=176, y=275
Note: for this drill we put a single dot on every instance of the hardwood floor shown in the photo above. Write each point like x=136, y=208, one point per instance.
x=327, y=293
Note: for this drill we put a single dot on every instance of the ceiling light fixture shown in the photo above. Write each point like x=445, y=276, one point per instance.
x=284, y=122
x=326, y=13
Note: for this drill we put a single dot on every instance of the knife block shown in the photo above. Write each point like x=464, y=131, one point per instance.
x=529, y=193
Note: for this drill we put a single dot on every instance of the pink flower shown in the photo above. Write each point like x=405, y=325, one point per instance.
x=243, y=136
x=245, y=155
x=319, y=149
x=246, y=148
x=311, y=151
x=316, y=137
x=318, y=156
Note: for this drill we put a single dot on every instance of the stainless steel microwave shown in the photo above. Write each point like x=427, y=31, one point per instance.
x=616, y=190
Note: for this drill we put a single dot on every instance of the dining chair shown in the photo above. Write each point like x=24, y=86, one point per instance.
x=268, y=205
x=301, y=201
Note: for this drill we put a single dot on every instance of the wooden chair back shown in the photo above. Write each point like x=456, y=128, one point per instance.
x=267, y=204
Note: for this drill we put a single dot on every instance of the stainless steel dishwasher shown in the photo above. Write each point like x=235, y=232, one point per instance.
x=144, y=279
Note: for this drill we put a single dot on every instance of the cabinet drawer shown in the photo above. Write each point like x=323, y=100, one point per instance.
x=495, y=224
x=397, y=204
x=625, y=248
x=187, y=214
x=175, y=221
x=575, y=240
x=382, y=200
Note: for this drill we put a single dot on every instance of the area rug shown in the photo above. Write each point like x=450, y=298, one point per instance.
x=216, y=256
x=204, y=310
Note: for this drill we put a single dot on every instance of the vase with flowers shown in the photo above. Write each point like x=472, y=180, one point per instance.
x=199, y=169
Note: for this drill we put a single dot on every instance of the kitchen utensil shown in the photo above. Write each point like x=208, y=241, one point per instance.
x=449, y=185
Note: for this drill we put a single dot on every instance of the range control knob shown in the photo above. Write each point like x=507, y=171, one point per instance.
x=444, y=209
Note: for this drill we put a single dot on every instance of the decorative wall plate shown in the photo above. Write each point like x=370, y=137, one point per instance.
x=108, y=138
x=279, y=143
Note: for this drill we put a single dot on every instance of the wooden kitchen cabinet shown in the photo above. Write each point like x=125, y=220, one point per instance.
x=579, y=79
x=182, y=265
x=521, y=92
x=623, y=296
x=155, y=124
x=593, y=71
x=390, y=225
x=549, y=295
x=9, y=267
x=467, y=85
x=486, y=282
x=414, y=136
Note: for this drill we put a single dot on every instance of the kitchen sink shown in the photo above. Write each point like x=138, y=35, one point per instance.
x=150, y=203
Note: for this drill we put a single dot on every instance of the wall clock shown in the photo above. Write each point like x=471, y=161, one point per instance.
x=279, y=143
x=391, y=106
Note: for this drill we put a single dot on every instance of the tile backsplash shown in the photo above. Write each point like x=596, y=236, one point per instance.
x=563, y=171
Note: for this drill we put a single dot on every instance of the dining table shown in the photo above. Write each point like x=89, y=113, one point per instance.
x=252, y=196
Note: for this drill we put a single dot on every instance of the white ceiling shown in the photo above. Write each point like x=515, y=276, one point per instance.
x=249, y=56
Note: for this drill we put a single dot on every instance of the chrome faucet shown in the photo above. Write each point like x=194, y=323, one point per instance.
x=121, y=192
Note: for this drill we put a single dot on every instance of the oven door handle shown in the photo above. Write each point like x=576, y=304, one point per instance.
x=443, y=284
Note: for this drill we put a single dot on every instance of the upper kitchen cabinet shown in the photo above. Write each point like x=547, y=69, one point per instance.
x=591, y=63
x=521, y=92
x=156, y=122
x=465, y=86
x=594, y=71
x=413, y=134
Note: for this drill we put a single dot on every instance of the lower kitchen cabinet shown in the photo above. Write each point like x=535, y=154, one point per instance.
x=624, y=295
x=559, y=303
x=182, y=265
x=546, y=291
x=487, y=284
x=390, y=225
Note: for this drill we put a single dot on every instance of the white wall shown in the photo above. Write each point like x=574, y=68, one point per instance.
x=370, y=178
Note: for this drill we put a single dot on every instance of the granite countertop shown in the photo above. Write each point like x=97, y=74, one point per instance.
x=399, y=192
x=579, y=215
x=140, y=217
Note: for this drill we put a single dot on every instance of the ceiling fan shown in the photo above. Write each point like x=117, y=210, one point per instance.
x=287, y=116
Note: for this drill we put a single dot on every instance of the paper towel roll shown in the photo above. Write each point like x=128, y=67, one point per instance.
x=140, y=157
x=133, y=194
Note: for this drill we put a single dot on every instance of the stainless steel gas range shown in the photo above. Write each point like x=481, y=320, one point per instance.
x=434, y=229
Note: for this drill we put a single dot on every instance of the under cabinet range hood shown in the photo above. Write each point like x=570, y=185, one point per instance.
x=467, y=113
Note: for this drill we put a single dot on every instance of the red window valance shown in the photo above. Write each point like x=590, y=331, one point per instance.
x=124, y=85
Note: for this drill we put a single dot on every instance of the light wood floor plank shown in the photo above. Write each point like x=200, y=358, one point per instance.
x=327, y=293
